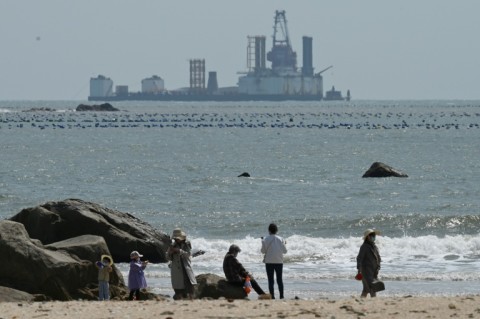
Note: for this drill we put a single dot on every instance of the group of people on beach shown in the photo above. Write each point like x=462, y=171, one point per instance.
x=183, y=278
x=273, y=247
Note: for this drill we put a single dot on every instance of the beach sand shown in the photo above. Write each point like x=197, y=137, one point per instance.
x=391, y=307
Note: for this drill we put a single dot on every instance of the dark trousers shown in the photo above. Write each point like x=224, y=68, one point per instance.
x=135, y=292
x=276, y=269
x=254, y=284
x=256, y=287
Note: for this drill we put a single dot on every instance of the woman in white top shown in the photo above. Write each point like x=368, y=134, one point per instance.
x=273, y=247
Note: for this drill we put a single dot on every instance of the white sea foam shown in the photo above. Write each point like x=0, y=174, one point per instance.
x=324, y=267
x=405, y=258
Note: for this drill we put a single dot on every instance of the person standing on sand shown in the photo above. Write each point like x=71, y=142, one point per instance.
x=136, y=276
x=368, y=262
x=182, y=276
x=104, y=267
x=273, y=247
x=236, y=274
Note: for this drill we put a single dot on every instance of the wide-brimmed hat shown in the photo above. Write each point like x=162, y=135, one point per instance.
x=370, y=231
x=135, y=254
x=179, y=234
x=110, y=260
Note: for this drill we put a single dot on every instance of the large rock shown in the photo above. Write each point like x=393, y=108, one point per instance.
x=33, y=268
x=379, y=169
x=213, y=286
x=89, y=247
x=13, y=295
x=123, y=233
x=105, y=107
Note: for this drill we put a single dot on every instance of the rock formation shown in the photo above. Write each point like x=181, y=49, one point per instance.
x=88, y=247
x=379, y=169
x=244, y=174
x=57, y=221
x=40, y=109
x=13, y=295
x=55, y=274
x=213, y=286
x=105, y=107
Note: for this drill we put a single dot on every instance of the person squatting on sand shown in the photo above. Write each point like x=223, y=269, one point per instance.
x=273, y=246
x=136, y=276
x=182, y=276
x=104, y=269
x=236, y=274
x=368, y=262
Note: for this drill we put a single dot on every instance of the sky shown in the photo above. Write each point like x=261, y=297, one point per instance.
x=379, y=49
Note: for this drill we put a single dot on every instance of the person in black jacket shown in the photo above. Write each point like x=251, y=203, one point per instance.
x=368, y=262
x=235, y=273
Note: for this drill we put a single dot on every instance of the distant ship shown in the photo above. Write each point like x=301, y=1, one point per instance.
x=334, y=95
x=282, y=82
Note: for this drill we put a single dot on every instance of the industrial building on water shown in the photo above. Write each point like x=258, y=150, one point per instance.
x=283, y=81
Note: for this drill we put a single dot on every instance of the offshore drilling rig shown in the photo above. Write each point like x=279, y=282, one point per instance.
x=283, y=78
x=283, y=81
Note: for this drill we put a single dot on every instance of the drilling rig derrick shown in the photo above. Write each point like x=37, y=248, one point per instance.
x=282, y=54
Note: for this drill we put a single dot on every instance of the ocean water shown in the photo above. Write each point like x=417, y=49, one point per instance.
x=176, y=165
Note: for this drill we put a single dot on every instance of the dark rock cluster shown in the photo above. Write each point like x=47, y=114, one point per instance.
x=105, y=107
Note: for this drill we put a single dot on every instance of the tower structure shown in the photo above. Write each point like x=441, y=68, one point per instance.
x=256, y=53
x=212, y=85
x=282, y=54
x=307, y=68
x=197, y=76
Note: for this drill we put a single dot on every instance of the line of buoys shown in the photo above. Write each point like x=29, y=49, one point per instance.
x=321, y=120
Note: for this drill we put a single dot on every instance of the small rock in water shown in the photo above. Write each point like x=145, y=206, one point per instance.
x=244, y=174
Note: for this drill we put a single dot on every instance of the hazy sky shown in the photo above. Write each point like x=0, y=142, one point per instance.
x=379, y=49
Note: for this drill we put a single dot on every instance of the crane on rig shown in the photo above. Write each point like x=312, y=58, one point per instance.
x=282, y=54
x=326, y=69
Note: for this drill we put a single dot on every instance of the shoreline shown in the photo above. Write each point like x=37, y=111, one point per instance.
x=352, y=307
x=319, y=289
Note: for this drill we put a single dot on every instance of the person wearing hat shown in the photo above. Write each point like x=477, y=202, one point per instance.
x=136, y=276
x=236, y=273
x=104, y=269
x=182, y=276
x=368, y=262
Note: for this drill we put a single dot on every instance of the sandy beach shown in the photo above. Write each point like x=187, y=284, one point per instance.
x=397, y=307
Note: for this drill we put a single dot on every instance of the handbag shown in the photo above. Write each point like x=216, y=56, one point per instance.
x=378, y=285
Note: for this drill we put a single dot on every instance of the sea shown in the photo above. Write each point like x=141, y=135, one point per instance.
x=176, y=164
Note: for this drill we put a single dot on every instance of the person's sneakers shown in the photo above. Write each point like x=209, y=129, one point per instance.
x=265, y=297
